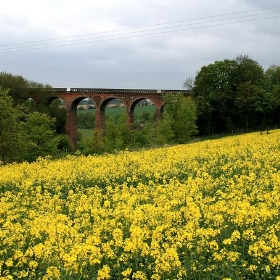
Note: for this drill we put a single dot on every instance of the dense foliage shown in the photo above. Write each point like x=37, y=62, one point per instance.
x=28, y=129
x=235, y=95
x=207, y=210
x=24, y=135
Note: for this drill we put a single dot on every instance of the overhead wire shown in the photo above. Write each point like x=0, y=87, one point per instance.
x=145, y=26
x=147, y=30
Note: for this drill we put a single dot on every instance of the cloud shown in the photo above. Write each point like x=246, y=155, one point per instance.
x=138, y=44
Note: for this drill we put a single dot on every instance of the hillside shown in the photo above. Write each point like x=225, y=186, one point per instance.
x=206, y=210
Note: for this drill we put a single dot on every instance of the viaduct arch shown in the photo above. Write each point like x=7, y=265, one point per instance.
x=101, y=97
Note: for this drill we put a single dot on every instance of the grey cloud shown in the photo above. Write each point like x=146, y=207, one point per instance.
x=154, y=61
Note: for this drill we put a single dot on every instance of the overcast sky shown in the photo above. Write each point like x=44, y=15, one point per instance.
x=147, y=44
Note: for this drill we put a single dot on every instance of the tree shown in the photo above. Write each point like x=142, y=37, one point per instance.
x=55, y=110
x=165, y=133
x=41, y=139
x=86, y=119
x=245, y=98
x=179, y=118
x=116, y=133
x=189, y=83
x=214, y=95
x=225, y=93
x=16, y=85
x=204, y=115
x=272, y=86
x=249, y=81
x=272, y=77
x=140, y=135
x=265, y=103
x=19, y=88
x=248, y=70
x=10, y=128
x=94, y=144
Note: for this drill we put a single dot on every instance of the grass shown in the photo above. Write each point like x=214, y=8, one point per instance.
x=113, y=113
x=87, y=133
x=116, y=111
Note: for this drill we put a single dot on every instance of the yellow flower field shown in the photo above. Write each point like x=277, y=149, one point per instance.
x=206, y=210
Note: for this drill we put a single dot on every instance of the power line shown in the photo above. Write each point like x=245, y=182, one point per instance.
x=147, y=30
x=145, y=26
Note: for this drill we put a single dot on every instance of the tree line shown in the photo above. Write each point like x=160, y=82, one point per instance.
x=236, y=95
x=227, y=96
x=28, y=130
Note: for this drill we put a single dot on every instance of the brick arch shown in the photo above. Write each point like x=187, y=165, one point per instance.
x=71, y=117
x=52, y=98
x=100, y=111
x=132, y=106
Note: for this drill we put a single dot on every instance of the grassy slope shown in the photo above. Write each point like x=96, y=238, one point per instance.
x=114, y=112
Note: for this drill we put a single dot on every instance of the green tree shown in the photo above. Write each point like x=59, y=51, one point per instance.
x=272, y=86
x=226, y=93
x=140, y=136
x=179, y=118
x=164, y=131
x=265, y=103
x=10, y=128
x=86, y=119
x=245, y=98
x=94, y=144
x=41, y=139
x=16, y=85
x=248, y=70
x=204, y=115
x=20, y=88
x=47, y=105
x=55, y=110
x=214, y=95
x=117, y=133
x=272, y=77
x=249, y=81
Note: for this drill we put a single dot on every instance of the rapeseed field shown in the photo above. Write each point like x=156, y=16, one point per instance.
x=206, y=210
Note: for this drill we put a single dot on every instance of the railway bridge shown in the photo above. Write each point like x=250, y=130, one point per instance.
x=101, y=97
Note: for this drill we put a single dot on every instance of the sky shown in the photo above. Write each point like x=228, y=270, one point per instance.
x=143, y=44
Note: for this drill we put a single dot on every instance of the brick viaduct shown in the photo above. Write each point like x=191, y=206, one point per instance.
x=101, y=97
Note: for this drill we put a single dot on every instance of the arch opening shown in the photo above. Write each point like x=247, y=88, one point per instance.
x=86, y=111
x=111, y=110
x=143, y=111
x=114, y=108
x=57, y=110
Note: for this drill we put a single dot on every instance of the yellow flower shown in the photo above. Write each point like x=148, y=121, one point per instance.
x=139, y=275
x=118, y=237
x=127, y=272
x=52, y=273
x=155, y=277
x=184, y=209
x=103, y=273
x=9, y=262
x=39, y=250
x=33, y=264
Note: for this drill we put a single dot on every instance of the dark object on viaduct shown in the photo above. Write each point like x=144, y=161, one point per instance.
x=101, y=97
